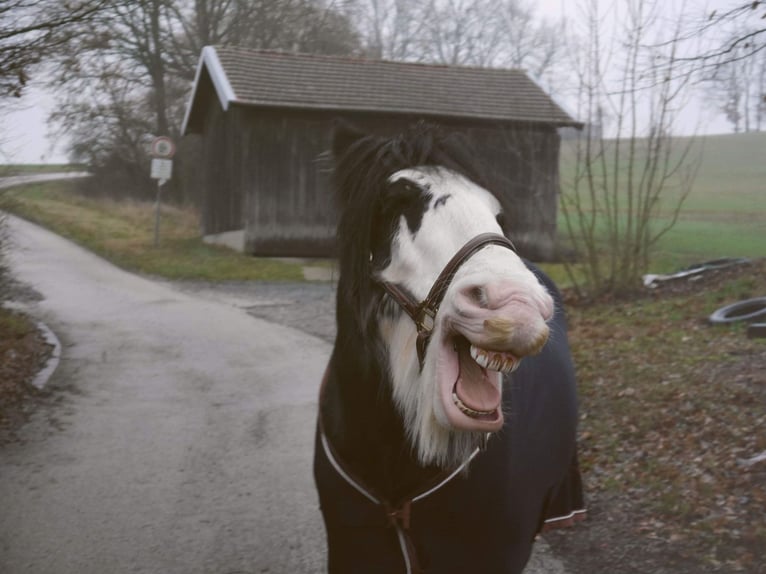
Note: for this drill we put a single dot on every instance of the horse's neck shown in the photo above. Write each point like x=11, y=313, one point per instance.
x=363, y=425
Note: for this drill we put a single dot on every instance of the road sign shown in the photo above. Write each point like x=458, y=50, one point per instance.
x=162, y=169
x=163, y=147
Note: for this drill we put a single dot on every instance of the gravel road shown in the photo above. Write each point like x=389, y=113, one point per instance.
x=309, y=307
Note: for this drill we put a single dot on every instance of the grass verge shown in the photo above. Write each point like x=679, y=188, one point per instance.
x=123, y=232
x=23, y=352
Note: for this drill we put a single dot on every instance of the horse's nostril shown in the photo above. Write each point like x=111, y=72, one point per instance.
x=478, y=295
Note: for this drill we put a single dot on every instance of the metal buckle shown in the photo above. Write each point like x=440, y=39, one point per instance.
x=427, y=320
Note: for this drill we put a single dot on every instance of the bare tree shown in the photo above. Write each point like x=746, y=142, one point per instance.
x=127, y=77
x=486, y=33
x=735, y=33
x=456, y=33
x=30, y=30
x=489, y=33
x=389, y=29
x=739, y=86
x=625, y=192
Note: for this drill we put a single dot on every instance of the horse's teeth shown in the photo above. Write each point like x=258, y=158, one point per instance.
x=480, y=356
x=501, y=362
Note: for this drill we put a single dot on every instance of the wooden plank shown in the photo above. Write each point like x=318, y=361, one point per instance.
x=279, y=179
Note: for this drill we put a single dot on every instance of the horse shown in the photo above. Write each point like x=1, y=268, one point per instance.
x=445, y=440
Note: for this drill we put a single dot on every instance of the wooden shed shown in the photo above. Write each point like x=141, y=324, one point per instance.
x=265, y=120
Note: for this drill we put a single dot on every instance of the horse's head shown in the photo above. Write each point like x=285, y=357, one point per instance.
x=408, y=205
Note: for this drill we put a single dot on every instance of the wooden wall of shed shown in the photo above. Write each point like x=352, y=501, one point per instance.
x=223, y=198
x=522, y=163
x=287, y=176
x=270, y=171
x=291, y=208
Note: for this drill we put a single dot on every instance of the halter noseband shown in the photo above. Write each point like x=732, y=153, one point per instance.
x=424, y=313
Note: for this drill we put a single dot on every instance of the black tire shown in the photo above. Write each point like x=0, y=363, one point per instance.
x=746, y=310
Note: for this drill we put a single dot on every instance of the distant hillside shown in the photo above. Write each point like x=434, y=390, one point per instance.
x=734, y=164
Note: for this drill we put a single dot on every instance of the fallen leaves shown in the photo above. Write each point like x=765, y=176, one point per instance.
x=23, y=351
x=673, y=419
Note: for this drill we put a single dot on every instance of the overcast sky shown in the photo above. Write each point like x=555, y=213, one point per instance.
x=25, y=132
x=25, y=137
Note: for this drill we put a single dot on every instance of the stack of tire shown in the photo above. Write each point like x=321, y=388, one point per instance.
x=749, y=310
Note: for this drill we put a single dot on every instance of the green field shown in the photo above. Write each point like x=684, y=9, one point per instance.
x=724, y=215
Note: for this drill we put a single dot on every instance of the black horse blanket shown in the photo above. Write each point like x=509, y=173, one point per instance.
x=483, y=520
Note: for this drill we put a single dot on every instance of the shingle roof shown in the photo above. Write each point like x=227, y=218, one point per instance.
x=261, y=78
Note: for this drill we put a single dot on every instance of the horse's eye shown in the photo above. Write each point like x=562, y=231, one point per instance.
x=401, y=195
x=406, y=199
x=500, y=217
x=401, y=189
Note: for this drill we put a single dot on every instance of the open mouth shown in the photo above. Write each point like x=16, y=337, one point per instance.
x=476, y=392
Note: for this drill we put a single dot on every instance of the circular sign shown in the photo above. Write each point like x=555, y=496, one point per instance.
x=163, y=147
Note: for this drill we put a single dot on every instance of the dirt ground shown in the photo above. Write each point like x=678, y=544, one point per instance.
x=23, y=352
x=677, y=497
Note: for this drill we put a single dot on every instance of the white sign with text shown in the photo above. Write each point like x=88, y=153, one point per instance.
x=162, y=169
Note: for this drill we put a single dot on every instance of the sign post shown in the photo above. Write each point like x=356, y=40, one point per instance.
x=163, y=149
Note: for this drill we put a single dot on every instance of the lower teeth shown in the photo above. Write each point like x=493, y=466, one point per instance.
x=466, y=410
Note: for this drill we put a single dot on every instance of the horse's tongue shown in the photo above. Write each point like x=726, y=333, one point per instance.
x=473, y=387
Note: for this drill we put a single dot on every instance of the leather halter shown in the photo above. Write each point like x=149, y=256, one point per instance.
x=424, y=313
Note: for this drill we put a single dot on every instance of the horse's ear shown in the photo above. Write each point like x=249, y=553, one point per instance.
x=344, y=136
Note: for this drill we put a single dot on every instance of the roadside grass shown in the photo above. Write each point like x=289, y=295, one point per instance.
x=13, y=325
x=123, y=232
x=670, y=409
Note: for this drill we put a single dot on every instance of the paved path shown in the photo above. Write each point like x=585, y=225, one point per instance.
x=180, y=437
x=13, y=180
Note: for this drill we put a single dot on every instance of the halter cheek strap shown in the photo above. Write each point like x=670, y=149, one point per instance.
x=424, y=313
